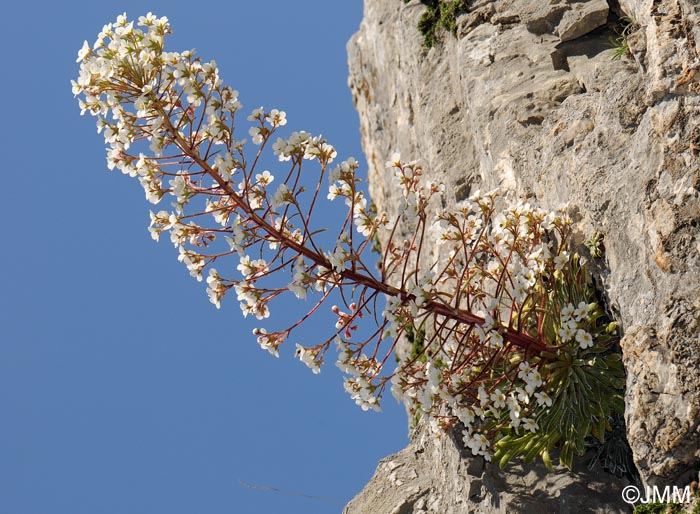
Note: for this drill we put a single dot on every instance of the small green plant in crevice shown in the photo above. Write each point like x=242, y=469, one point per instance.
x=440, y=16
x=665, y=508
x=414, y=419
x=595, y=245
x=620, y=43
x=614, y=454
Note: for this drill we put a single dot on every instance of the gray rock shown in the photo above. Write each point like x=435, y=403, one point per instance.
x=436, y=476
x=618, y=140
x=542, y=17
x=582, y=18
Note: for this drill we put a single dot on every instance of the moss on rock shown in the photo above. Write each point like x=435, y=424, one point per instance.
x=440, y=15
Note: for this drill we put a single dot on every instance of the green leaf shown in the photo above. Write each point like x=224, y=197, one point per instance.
x=506, y=458
x=546, y=459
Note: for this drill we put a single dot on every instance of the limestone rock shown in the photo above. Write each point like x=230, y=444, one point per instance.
x=582, y=18
x=507, y=104
x=437, y=476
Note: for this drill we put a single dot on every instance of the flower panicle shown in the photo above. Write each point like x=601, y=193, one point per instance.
x=480, y=304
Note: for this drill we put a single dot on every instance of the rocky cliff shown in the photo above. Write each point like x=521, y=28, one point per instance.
x=528, y=98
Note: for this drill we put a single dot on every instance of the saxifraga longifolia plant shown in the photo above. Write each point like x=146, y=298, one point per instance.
x=510, y=345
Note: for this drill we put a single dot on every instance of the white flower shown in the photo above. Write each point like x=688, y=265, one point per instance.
x=496, y=339
x=532, y=381
x=584, y=339
x=298, y=289
x=276, y=118
x=256, y=135
x=465, y=415
x=147, y=21
x=483, y=397
x=179, y=188
x=395, y=161
x=520, y=292
x=362, y=392
x=333, y=192
x=530, y=424
x=534, y=378
x=256, y=114
x=267, y=342
x=498, y=399
x=215, y=288
x=279, y=147
x=251, y=269
x=477, y=443
x=567, y=312
x=543, y=399
x=281, y=197
x=337, y=258
x=561, y=260
x=364, y=225
x=264, y=178
x=84, y=52
x=566, y=333
x=307, y=357
x=514, y=411
x=244, y=266
x=581, y=311
x=524, y=368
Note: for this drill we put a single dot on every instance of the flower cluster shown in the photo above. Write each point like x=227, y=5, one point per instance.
x=484, y=375
x=479, y=322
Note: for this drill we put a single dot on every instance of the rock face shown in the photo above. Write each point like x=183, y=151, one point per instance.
x=527, y=98
x=437, y=476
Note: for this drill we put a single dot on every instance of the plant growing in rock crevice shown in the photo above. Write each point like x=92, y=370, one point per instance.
x=620, y=43
x=439, y=15
x=666, y=508
x=614, y=454
x=509, y=342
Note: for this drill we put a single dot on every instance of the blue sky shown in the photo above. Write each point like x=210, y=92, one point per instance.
x=122, y=389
